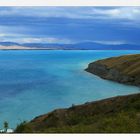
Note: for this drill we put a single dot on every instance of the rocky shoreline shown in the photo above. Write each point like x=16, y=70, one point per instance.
x=123, y=69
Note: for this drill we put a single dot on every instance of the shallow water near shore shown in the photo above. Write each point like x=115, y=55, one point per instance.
x=36, y=82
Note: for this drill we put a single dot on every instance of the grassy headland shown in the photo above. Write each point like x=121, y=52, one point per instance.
x=124, y=69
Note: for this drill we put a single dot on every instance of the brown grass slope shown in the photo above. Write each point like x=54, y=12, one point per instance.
x=113, y=115
x=124, y=69
x=127, y=64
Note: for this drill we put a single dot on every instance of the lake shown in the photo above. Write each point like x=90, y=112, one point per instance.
x=36, y=82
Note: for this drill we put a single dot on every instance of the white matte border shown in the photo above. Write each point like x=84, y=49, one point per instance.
x=69, y=2
x=70, y=137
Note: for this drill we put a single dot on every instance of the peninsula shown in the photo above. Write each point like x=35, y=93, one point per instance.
x=123, y=69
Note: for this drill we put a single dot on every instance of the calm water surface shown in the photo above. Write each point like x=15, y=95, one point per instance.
x=36, y=82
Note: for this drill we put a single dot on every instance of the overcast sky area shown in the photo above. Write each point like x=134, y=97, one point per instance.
x=65, y=25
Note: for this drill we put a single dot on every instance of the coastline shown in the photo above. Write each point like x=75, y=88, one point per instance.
x=82, y=68
x=66, y=119
x=122, y=69
x=110, y=115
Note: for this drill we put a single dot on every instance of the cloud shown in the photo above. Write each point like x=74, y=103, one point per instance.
x=129, y=13
x=110, y=42
x=49, y=40
x=68, y=12
x=19, y=38
x=68, y=25
x=2, y=35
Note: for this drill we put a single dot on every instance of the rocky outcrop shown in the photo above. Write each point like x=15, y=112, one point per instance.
x=123, y=69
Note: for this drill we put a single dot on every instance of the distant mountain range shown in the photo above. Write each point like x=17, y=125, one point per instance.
x=78, y=46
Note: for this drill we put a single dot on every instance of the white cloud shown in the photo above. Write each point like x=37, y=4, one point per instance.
x=21, y=38
x=110, y=42
x=129, y=13
x=49, y=40
x=2, y=35
x=52, y=40
x=69, y=12
x=45, y=40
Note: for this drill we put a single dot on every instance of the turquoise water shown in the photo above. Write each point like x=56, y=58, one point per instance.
x=36, y=82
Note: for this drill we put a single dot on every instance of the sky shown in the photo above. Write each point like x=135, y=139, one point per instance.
x=70, y=25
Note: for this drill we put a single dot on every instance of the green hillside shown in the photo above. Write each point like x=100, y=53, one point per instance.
x=114, y=115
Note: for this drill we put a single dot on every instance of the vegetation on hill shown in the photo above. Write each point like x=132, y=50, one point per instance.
x=124, y=69
x=114, y=115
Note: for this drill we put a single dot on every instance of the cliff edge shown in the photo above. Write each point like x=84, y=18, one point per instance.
x=123, y=69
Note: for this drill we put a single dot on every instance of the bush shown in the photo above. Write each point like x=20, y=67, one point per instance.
x=23, y=127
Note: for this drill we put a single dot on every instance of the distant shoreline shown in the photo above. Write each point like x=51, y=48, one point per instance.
x=16, y=47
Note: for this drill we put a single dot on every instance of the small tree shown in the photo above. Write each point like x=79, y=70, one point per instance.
x=73, y=105
x=5, y=125
x=23, y=128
